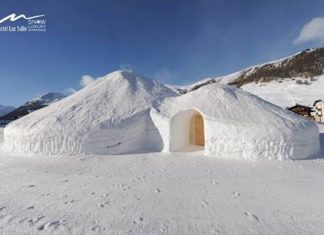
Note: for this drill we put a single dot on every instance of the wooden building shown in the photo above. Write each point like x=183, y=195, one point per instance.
x=302, y=110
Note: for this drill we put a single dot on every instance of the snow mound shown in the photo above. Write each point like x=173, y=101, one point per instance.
x=97, y=119
x=125, y=113
x=242, y=126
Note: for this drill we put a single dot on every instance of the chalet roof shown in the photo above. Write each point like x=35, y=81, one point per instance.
x=301, y=106
x=316, y=101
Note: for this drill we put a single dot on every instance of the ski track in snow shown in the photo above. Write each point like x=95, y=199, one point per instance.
x=160, y=194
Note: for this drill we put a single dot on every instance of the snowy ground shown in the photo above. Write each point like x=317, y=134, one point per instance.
x=160, y=194
x=287, y=92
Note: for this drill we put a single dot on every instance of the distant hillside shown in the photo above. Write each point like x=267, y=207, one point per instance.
x=306, y=64
x=295, y=79
x=32, y=105
x=5, y=109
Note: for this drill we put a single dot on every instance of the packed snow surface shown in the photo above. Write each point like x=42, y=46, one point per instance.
x=126, y=113
x=161, y=193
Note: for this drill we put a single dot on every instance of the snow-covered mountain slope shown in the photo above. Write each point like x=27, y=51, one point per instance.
x=33, y=104
x=288, y=92
x=5, y=110
x=295, y=79
x=305, y=64
x=46, y=99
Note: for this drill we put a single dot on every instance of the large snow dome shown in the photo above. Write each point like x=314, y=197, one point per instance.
x=109, y=116
x=125, y=113
x=236, y=125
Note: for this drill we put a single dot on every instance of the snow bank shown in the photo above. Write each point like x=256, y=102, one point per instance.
x=126, y=113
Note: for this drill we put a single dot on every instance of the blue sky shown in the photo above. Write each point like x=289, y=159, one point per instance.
x=174, y=41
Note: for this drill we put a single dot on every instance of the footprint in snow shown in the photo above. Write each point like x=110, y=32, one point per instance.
x=251, y=216
x=163, y=228
x=105, y=203
x=213, y=182
x=138, y=220
x=236, y=194
x=47, y=225
x=95, y=228
x=35, y=220
x=105, y=195
x=204, y=203
x=69, y=202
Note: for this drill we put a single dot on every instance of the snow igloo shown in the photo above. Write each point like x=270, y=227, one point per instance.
x=124, y=113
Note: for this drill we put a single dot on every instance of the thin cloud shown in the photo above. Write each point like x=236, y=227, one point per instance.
x=69, y=91
x=86, y=80
x=164, y=75
x=311, y=31
x=126, y=67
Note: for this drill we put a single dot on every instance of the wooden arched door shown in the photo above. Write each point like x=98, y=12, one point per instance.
x=197, y=132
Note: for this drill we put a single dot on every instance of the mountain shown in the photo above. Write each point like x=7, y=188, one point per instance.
x=46, y=99
x=307, y=64
x=5, y=109
x=33, y=104
x=295, y=79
